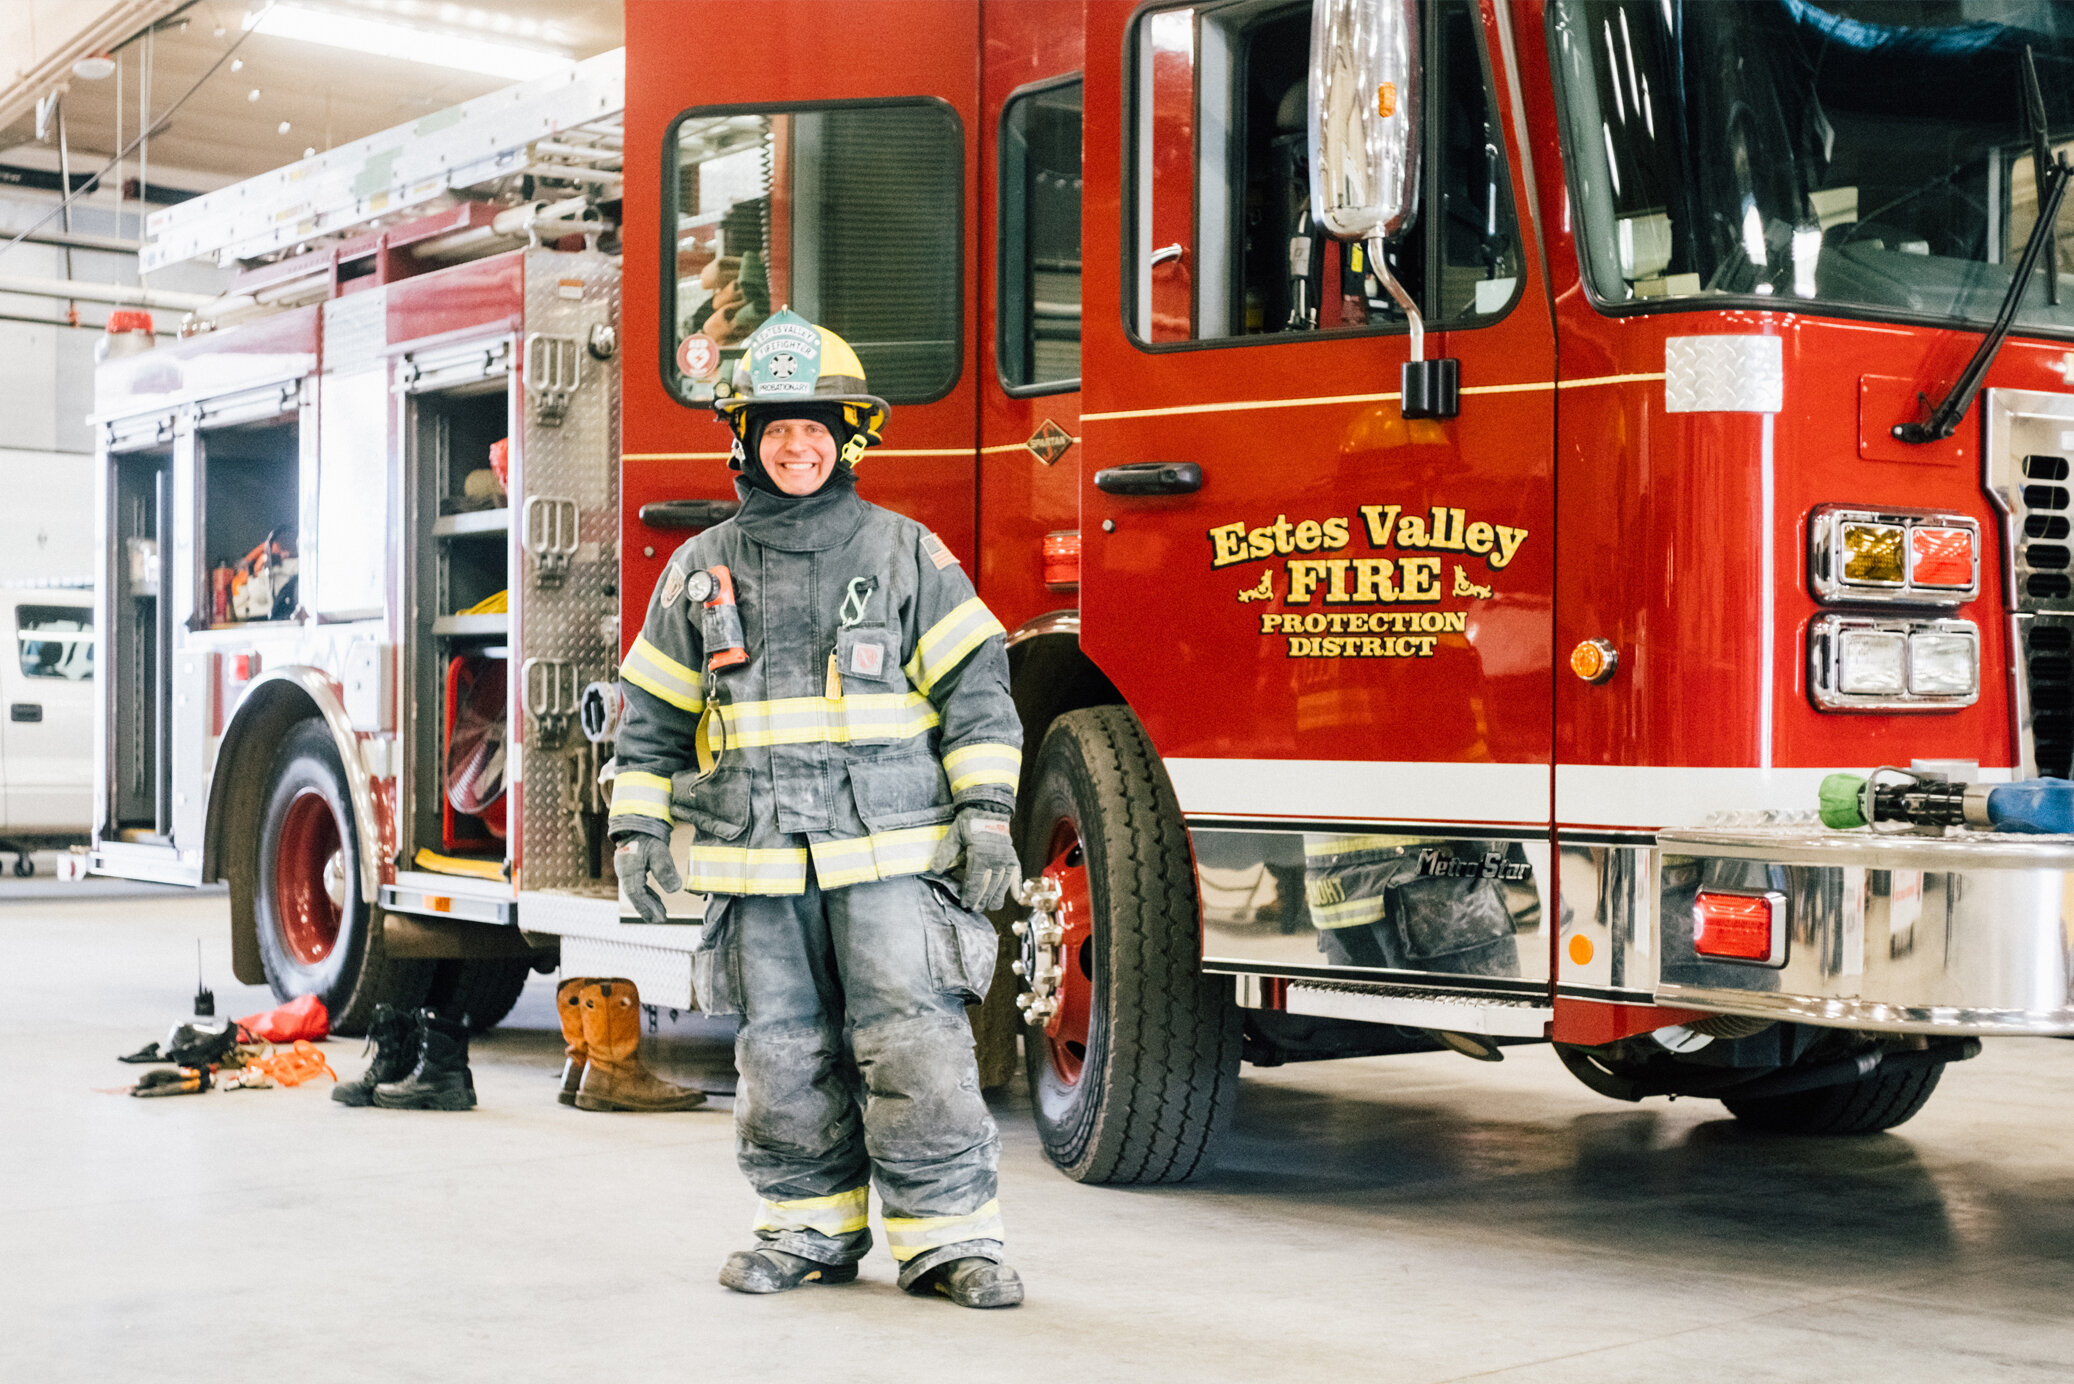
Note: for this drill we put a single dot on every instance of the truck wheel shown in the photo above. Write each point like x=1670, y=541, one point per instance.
x=1867, y=1106
x=484, y=990
x=1135, y=1073
x=317, y=935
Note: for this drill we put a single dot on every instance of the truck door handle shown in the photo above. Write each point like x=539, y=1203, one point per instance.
x=1151, y=478
x=686, y=514
x=25, y=711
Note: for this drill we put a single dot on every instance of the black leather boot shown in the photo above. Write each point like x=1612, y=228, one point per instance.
x=440, y=1080
x=974, y=1282
x=393, y=1035
x=775, y=1271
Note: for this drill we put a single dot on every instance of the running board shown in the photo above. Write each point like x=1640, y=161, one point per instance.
x=1453, y=1011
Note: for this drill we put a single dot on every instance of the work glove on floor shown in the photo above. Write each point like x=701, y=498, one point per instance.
x=979, y=853
x=639, y=857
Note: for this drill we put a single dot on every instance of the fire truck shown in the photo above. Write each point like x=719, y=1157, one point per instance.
x=1459, y=476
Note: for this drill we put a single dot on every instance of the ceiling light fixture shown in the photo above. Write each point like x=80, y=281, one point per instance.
x=381, y=38
x=95, y=68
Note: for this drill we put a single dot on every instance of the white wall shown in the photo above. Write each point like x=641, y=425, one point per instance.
x=47, y=516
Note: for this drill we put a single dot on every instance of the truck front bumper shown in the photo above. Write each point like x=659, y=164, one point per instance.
x=1901, y=933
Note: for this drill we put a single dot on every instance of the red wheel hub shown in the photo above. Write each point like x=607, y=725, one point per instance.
x=1065, y=1032
x=309, y=878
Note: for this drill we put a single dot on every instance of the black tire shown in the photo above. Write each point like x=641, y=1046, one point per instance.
x=1161, y=1065
x=482, y=991
x=1867, y=1106
x=24, y=865
x=309, y=853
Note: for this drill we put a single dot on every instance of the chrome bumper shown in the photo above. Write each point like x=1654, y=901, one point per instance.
x=1905, y=934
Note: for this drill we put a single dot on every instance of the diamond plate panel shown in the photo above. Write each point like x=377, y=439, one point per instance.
x=662, y=976
x=1723, y=374
x=571, y=621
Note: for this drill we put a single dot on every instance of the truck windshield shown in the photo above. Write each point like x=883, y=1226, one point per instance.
x=1872, y=157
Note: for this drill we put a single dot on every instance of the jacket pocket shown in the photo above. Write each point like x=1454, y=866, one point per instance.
x=962, y=947
x=715, y=974
x=717, y=804
x=868, y=658
x=905, y=791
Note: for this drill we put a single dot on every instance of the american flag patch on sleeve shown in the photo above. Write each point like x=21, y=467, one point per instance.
x=938, y=551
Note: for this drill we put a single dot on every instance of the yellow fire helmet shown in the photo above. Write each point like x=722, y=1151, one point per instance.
x=789, y=361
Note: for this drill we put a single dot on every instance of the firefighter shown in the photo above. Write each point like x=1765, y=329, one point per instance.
x=831, y=714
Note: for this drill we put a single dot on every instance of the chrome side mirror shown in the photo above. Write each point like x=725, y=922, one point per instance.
x=1365, y=123
x=1364, y=117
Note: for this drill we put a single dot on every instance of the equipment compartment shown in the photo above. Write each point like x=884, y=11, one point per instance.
x=250, y=478
x=460, y=629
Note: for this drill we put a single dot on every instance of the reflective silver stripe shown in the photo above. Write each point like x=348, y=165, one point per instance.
x=972, y=766
x=1352, y=913
x=652, y=670
x=882, y=855
x=908, y=1236
x=641, y=795
x=746, y=870
x=818, y=720
x=1318, y=847
x=845, y=1213
x=946, y=643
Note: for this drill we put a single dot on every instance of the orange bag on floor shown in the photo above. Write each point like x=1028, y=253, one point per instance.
x=303, y=1017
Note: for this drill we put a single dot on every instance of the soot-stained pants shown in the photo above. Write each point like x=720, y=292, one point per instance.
x=856, y=1065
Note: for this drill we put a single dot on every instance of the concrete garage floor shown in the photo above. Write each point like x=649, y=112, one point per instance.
x=1409, y=1219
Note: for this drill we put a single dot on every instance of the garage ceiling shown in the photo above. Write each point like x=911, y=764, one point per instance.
x=232, y=127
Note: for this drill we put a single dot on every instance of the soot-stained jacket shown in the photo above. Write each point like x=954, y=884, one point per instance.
x=863, y=770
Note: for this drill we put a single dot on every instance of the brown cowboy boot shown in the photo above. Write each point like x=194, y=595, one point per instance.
x=614, y=1077
x=569, y=1006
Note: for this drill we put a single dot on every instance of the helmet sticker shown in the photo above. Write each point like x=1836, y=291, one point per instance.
x=784, y=357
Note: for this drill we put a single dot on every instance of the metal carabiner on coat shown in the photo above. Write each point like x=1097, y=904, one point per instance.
x=858, y=600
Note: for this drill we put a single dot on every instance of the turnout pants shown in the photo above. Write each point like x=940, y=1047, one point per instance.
x=856, y=1065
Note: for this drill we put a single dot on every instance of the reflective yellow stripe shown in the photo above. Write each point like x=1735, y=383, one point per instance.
x=882, y=855
x=947, y=643
x=652, y=670
x=845, y=1213
x=746, y=870
x=641, y=795
x=909, y=1236
x=819, y=720
x=1352, y=913
x=1322, y=846
x=970, y=766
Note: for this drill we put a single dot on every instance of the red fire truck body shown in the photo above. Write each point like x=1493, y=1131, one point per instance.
x=1348, y=732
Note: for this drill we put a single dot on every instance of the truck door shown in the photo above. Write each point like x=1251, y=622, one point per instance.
x=816, y=156
x=1340, y=640
x=46, y=743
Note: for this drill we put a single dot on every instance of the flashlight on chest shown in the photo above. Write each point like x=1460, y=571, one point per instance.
x=720, y=625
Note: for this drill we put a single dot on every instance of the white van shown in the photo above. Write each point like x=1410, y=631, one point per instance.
x=47, y=735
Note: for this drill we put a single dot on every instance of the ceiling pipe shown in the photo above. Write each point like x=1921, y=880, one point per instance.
x=74, y=290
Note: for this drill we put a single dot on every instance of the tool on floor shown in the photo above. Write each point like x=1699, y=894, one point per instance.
x=204, y=997
x=179, y=1081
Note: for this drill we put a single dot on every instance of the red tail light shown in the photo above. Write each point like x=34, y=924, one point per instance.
x=1062, y=559
x=1940, y=557
x=1740, y=927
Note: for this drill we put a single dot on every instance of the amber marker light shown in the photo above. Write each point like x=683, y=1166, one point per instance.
x=1740, y=927
x=1594, y=660
x=1872, y=554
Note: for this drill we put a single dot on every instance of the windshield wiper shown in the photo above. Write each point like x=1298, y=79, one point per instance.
x=2041, y=159
x=2052, y=186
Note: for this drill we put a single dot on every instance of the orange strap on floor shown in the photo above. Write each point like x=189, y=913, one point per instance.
x=299, y=1064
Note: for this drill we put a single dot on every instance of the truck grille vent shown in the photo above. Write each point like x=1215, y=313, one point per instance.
x=2048, y=654
x=2043, y=556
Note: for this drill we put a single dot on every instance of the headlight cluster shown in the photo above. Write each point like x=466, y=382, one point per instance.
x=1892, y=662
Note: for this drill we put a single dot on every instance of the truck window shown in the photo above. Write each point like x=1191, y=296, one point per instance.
x=850, y=215
x=56, y=641
x=1039, y=314
x=1223, y=242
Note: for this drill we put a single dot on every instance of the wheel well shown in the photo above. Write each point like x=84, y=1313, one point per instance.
x=237, y=792
x=1048, y=676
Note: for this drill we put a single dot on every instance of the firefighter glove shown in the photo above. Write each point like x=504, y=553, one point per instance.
x=639, y=858
x=979, y=838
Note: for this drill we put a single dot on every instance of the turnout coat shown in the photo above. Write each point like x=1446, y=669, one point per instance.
x=873, y=703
